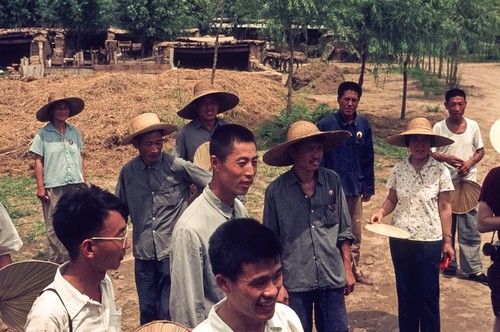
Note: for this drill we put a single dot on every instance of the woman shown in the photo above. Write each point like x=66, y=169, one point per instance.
x=419, y=195
x=58, y=162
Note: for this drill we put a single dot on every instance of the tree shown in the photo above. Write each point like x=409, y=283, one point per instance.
x=19, y=13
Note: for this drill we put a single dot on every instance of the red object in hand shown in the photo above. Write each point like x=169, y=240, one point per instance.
x=445, y=262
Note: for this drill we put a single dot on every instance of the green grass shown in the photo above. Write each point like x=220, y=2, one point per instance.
x=388, y=151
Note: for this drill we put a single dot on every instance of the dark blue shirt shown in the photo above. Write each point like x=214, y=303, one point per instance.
x=353, y=159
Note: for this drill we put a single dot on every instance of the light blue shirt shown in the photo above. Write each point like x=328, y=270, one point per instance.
x=62, y=163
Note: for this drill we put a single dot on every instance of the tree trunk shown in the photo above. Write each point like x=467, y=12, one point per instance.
x=290, y=73
x=364, y=54
x=216, y=48
x=440, y=69
x=405, y=87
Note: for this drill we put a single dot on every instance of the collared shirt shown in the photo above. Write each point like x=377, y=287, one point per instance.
x=156, y=196
x=9, y=239
x=417, y=209
x=283, y=320
x=353, y=159
x=310, y=230
x=194, y=290
x=62, y=163
x=48, y=312
x=192, y=136
x=463, y=147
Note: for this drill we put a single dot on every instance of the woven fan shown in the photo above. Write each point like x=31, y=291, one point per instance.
x=202, y=156
x=20, y=284
x=495, y=135
x=162, y=326
x=465, y=196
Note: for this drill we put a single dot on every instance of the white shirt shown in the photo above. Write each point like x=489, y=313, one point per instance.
x=48, y=312
x=9, y=239
x=464, y=147
x=284, y=320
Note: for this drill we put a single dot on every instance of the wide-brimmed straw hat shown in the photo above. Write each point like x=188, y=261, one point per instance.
x=298, y=131
x=495, y=135
x=76, y=105
x=145, y=123
x=226, y=100
x=419, y=126
x=388, y=230
x=465, y=196
x=20, y=284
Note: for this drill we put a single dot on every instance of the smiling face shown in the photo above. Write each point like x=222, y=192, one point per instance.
x=348, y=104
x=307, y=154
x=234, y=175
x=208, y=108
x=150, y=146
x=251, y=298
x=420, y=146
x=60, y=112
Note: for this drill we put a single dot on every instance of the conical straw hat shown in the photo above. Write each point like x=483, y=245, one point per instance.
x=202, y=156
x=495, y=135
x=20, y=284
x=465, y=197
x=162, y=326
x=419, y=126
x=298, y=131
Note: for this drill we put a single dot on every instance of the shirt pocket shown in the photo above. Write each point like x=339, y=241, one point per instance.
x=330, y=216
x=170, y=196
x=430, y=191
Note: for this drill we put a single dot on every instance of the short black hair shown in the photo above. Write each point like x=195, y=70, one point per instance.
x=348, y=85
x=454, y=93
x=80, y=215
x=223, y=138
x=241, y=241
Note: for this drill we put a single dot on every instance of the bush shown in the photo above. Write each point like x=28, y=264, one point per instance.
x=273, y=132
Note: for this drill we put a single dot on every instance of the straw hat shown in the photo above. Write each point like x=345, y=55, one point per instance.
x=202, y=156
x=145, y=123
x=298, y=131
x=388, y=230
x=495, y=135
x=226, y=100
x=162, y=326
x=76, y=105
x=465, y=196
x=20, y=284
x=419, y=126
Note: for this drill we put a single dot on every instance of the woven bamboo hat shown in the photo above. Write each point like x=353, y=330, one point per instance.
x=145, y=123
x=76, y=105
x=202, y=156
x=495, y=135
x=419, y=126
x=298, y=131
x=162, y=326
x=20, y=284
x=226, y=100
x=465, y=197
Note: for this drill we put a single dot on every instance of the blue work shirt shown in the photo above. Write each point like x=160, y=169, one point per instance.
x=62, y=163
x=310, y=229
x=353, y=159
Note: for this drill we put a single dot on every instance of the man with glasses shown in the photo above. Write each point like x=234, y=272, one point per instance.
x=91, y=224
x=353, y=160
x=155, y=187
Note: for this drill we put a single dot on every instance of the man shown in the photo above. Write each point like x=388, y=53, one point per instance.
x=9, y=238
x=306, y=209
x=353, y=161
x=245, y=258
x=488, y=220
x=202, y=109
x=155, y=187
x=461, y=158
x=233, y=156
x=91, y=224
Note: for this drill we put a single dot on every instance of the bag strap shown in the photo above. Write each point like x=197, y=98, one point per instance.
x=59, y=296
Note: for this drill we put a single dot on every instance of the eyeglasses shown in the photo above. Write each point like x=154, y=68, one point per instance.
x=109, y=238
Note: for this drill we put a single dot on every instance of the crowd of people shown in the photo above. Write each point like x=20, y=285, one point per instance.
x=201, y=262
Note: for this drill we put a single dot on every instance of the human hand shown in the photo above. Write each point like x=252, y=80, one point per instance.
x=448, y=251
x=365, y=198
x=454, y=161
x=376, y=217
x=350, y=282
x=41, y=193
x=465, y=168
